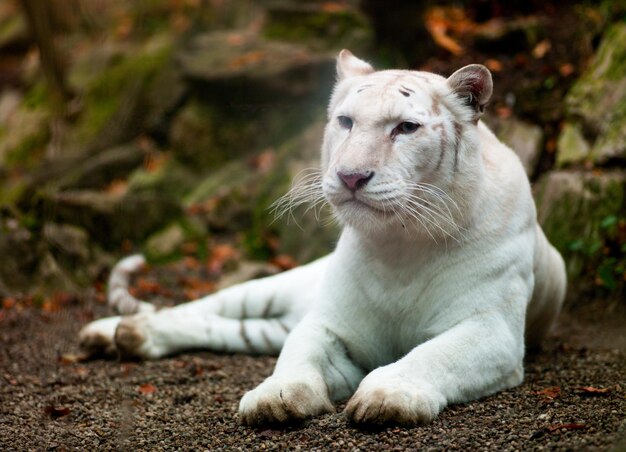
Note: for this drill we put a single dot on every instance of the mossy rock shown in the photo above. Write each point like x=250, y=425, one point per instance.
x=321, y=25
x=109, y=218
x=246, y=94
x=127, y=96
x=596, y=103
x=238, y=198
x=166, y=244
x=582, y=213
x=172, y=178
x=25, y=133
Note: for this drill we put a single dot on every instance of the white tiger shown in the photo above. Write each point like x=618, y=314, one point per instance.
x=439, y=274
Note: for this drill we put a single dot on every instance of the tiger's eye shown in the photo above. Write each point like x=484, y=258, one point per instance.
x=345, y=122
x=407, y=127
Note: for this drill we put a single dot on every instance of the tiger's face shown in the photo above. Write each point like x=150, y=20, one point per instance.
x=394, y=144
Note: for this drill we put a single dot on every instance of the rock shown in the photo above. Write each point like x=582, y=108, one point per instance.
x=341, y=25
x=524, y=138
x=260, y=68
x=581, y=213
x=572, y=145
x=238, y=197
x=20, y=255
x=24, y=129
x=170, y=177
x=67, y=239
x=247, y=94
x=128, y=92
x=110, y=218
x=165, y=243
x=596, y=103
x=90, y=170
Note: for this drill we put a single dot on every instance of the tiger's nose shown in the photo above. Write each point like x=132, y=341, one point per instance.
x=355, y=180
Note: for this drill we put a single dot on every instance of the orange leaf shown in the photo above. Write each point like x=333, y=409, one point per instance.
x=590, y=390
x=148, y=286
x=333, y=7
x=246, y=59
x=572, y=426
x=219, y=256
x=8, y=303
x=71, y=358
x=542, y=48
x=117, y=187
x=147, y=389
x=56, y=412
x=549, y=393
x=493, y=65
x=284, y=262
x=566, y=69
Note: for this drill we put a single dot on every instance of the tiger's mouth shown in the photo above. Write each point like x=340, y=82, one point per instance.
x=359, y=204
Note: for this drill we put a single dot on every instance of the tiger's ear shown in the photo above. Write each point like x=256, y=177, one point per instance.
x=473, y=84
x=350, y=66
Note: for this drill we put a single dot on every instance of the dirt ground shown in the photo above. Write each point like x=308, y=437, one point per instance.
x=573, y=397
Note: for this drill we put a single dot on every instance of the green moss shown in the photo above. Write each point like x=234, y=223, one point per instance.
x=586, y=223
x=106, y=93
x=328, y=28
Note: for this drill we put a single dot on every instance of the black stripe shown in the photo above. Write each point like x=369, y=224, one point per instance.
x=283, y=326
x=268, y=343
x=458, y=132
x=244, y=311
x=244, y=335
x=268, y=308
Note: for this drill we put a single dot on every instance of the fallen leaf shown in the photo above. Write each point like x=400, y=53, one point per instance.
x=147, y=389
x=549, y=394
x=284, y=262
x=56, y=412
x=592, y=391
x=127, y=368
x=117, y=187
x=235, y=39
x=247, y=59
x=12, y=381
x=8, y=302
x=147, y=286
x=504, y=112
x=264, y=161
x=191, y=263
x=542, y=48
x=333, y=7
x=71, y=358
x=219, y=256
x=566, y=69
x=572, y=426
x=154, y=162
x=82, y=371
x=493, y=65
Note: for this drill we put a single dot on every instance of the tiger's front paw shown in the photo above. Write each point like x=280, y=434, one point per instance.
x=276, y=400
x=382, y=400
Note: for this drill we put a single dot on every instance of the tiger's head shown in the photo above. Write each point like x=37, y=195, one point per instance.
x=400, y=147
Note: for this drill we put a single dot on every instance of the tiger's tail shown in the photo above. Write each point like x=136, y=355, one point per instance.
x=118, y=295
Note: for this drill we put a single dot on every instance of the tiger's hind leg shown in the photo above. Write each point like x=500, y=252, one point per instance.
x=252, y=317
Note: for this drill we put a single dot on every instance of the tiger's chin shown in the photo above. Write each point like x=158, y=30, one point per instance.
x=366, y=217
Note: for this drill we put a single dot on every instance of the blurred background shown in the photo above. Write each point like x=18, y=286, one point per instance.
x=170, y=126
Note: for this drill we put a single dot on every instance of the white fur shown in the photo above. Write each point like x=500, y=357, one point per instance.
x=424, y=301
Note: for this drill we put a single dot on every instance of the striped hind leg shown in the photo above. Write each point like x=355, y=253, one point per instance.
x=253, y=317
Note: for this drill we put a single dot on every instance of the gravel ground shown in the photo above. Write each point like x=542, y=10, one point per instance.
x=573, y=397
